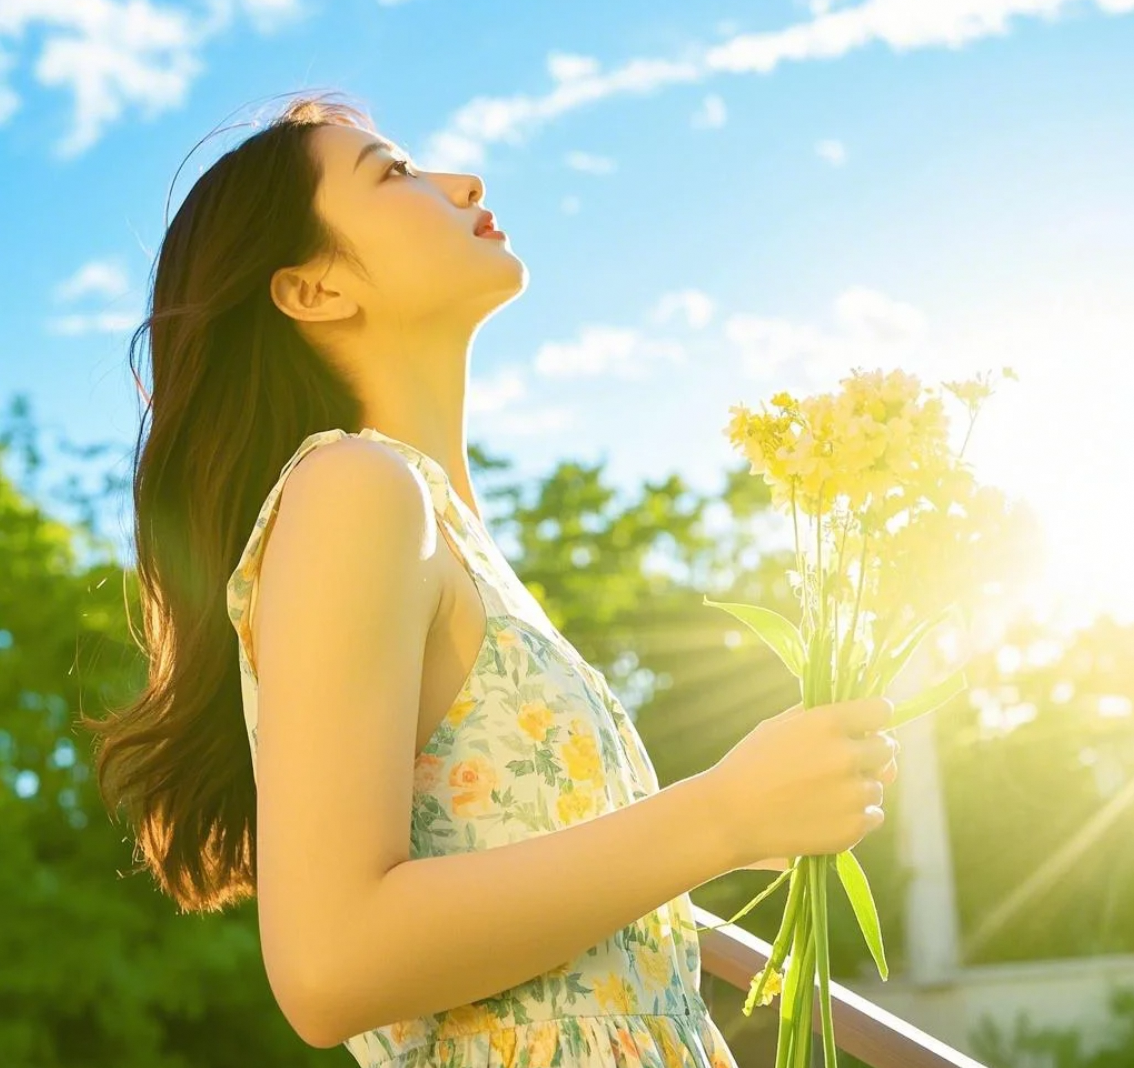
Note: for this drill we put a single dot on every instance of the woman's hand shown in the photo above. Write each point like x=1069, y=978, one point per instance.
x=886, y=776
x=806, y=782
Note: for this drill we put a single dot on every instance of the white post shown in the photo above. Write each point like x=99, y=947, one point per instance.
x=931, y=926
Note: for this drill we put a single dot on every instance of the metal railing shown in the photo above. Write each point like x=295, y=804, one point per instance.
x=732, y=955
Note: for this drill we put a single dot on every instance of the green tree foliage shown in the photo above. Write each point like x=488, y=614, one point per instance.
x=95, y=966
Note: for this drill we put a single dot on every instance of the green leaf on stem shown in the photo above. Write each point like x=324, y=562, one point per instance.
x=858, y=892
x=817, y=869
x=930, y=699
x=766, y=892
x=780, y=634
x=889, y=667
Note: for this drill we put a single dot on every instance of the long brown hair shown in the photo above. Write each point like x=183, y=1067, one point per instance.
x=236, y=389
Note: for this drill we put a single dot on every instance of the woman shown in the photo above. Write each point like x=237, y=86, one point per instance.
x=458, y=845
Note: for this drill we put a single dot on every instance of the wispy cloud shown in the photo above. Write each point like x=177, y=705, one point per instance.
x=491, y=395
x=97, y=323
x=601, y=350
x=589, y=164
x=872, y=329
x=114, y=55
x=695, y=305
x=504, y=397
x=531, y=421
x=102, y=277
x=831, y=32
x=712, y=113
x=834, y=152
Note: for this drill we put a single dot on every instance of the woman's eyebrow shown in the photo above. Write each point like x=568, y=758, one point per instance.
x=371, y=146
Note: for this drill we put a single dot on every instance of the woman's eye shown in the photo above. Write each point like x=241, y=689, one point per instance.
x=405, y=168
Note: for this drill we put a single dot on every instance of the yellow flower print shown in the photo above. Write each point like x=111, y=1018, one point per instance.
x=405, y=1031
x=543, y=1037
x=615, y=993
x=655, y=966
x=652, y=922
x=465, y=1020
x=503, y=1046
x=672, y=1053
x=577, y=805
x=459, y=710
x=507, y=638
x=534, y=718
x=473, y=781
x=581, y=756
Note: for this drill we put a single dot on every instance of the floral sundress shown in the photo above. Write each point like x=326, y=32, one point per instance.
x=534, y=741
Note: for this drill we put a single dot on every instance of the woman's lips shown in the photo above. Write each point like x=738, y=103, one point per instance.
x=498, y=234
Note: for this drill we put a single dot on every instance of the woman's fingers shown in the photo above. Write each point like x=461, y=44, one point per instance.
x=875, y=751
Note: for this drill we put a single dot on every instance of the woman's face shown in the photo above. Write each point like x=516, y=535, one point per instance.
x=414, y=231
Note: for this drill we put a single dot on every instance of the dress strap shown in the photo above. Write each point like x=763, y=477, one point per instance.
x=440, y=488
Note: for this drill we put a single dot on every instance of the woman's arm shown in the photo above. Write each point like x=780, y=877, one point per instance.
x=437, y=932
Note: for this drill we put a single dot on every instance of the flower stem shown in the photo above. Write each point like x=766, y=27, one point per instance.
x=838, y=578
x=800, y=563
x=968, y=433
x=844, y=654
x=805, y=1000
x=789, y=998
x=818, y=883
x=819, y=561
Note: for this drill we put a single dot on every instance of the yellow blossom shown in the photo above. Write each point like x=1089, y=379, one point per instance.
x=773, y=985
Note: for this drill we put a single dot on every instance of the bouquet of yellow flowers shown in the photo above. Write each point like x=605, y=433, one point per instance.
x=894, y=513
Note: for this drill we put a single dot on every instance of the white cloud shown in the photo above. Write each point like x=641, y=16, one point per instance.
x=565, y=67
x=695, y=305
x=712, y=113
x=623, y=352
x=873, y=316
x=875, y=330
x=831, y=32
x=98, y=323
x=529, y=422
x=113, y=55
x=491, y=395
x=834, y=152
x=589, y=164
x=98, y=276
x=9, y=100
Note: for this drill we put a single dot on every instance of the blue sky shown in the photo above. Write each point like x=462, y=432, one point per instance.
x=712, y=204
